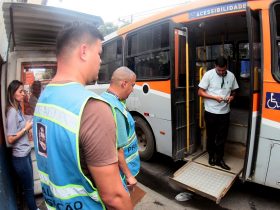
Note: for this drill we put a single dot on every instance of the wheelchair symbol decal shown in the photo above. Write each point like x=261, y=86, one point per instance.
x=272, y=101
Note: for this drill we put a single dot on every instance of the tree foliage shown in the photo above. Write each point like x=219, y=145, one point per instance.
x=108, y=28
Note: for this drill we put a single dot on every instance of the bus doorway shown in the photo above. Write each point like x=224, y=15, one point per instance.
x=183, y=103
x=226, y=36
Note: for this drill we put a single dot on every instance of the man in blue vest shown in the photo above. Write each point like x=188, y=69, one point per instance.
x=80, y=168
x=121, y=86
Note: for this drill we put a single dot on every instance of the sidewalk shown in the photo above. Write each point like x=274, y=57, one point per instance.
x=154, y=201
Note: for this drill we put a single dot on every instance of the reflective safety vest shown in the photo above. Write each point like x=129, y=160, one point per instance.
x=131, y=148
x=56, y=122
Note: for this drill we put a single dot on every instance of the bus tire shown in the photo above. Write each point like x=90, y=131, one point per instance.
x=146, y=142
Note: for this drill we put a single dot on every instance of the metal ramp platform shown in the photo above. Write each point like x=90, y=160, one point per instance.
x=208, y=181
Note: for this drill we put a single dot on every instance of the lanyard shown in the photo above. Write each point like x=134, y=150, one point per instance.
x=117, y=97
x=110, y=92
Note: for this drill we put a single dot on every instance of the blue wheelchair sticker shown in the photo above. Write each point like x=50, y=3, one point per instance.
x=272, y=101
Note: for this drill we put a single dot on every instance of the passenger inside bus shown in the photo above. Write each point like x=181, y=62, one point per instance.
x=227, y=36
x=217, y=99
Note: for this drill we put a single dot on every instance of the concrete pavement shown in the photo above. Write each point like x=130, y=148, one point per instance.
x=154, y=201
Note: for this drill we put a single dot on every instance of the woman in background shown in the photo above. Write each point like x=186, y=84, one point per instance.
x=17, y=130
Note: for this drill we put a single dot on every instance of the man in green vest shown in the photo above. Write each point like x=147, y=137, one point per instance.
x=121, y=86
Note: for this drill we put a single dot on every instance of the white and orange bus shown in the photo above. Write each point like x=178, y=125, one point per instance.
x=169, y=53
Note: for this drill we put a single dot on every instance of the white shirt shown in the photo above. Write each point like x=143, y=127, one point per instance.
x=212, y=82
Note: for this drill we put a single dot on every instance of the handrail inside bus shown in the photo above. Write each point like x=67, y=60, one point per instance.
x=201, y=118
x=256, y=79
x=187, y=93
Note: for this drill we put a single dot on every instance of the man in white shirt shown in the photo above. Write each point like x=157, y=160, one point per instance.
x=217, y=87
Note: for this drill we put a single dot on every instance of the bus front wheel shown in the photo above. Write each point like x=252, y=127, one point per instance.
x=145, y=138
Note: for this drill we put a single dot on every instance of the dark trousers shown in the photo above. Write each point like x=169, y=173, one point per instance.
x=24, y=171
x=217, y=131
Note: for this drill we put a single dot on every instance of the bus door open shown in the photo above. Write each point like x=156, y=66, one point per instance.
x=183, y=115
x=197, y=175
x=253, y=23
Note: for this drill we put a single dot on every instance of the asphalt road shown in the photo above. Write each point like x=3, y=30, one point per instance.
x=242, y=196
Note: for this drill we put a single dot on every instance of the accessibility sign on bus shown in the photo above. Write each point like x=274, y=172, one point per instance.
x=219, y=9
x=272, y=101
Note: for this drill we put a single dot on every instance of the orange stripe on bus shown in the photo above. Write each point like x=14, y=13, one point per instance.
x=256, y=98
x=173, y=13
x=266, y=47
x=261, y=4
x=162, y=86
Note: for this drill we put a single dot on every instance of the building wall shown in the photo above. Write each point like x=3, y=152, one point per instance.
x=3, y=37
x=7, y=193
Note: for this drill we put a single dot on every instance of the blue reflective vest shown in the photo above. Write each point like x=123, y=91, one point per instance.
x=131, y=148
x=56, y=127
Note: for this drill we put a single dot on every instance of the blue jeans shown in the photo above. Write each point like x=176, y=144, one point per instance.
x=24, y=171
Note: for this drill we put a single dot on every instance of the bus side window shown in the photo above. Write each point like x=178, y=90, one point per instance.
x=148, y=52
x=111, y=60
